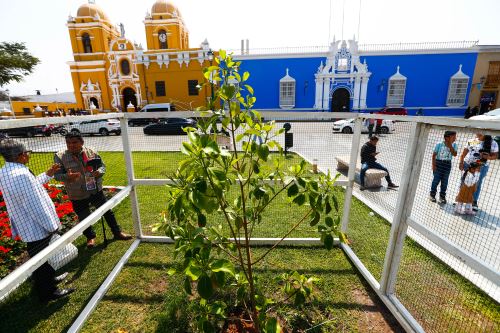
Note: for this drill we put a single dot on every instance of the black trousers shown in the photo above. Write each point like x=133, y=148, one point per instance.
x=82, y=209
x=44, y=275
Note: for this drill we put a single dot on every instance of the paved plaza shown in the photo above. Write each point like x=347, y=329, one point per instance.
x=478, y=235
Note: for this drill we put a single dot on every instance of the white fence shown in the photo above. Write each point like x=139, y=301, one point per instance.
x=406, y=245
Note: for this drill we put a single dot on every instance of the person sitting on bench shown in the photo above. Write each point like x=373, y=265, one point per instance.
x=368, y=161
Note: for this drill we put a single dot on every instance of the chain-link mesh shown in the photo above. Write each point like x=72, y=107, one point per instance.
x=443, y=293
x=41, y=203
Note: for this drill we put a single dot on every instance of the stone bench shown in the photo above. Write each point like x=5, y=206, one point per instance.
x=373, y=177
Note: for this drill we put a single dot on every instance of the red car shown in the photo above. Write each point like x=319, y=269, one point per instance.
x=398, y=111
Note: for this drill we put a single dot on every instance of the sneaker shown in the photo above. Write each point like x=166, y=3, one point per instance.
x=392, y=185
x=475, y=207
x=432, y=199
x=442, y=200
x=362, y=188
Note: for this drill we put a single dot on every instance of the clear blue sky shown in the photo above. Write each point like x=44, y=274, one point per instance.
x=267, y=23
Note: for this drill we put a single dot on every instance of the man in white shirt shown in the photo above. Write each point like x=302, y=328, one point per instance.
x=32, y=213
x=480, y=150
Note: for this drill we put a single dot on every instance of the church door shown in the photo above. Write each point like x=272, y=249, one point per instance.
x=128, y=97
x=340, y=100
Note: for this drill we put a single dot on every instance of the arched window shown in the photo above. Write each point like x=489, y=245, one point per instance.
x=87, y=45
x=125, y=67
x=457, y=89
x=287, y=91
x=396, y=89
x=162, y=38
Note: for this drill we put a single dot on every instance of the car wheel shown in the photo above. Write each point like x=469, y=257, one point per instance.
x=347, y=130
x=75, y=131
x=104, y=132
x=63, y=132
x=384, y=130
x=118, y=132
x=48, y=133
x=30, y=134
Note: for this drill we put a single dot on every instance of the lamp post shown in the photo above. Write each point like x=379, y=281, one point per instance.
x=10, y=103
x=210, y=54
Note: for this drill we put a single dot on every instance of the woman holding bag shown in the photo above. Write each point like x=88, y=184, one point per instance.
x=32, y=213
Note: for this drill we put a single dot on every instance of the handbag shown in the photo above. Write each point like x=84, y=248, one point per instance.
x=63, y=256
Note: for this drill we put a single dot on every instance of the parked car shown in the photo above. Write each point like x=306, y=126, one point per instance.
x=399, y=111
x=169, y=126
x=346, y=126
x=490, y=115
x=497, y=139
x=101, y=126
x=164, y=107
x=29, y=131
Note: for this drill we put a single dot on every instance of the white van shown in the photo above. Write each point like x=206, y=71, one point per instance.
x=161, y=107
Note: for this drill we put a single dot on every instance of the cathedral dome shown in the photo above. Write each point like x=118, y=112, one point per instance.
x=165, y=8
x=91, y=9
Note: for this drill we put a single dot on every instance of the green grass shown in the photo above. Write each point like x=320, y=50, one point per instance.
x=145, y=299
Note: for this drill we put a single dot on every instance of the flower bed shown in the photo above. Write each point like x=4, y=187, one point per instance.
x=12, y=251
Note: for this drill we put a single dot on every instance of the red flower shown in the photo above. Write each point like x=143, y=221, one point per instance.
x=2, y=203
x=4, y=249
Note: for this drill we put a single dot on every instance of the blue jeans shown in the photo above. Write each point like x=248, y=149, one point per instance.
x=482, y=173
x=441, y=175
x=372, y=165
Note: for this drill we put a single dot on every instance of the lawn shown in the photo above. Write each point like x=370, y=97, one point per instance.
x=144, y=298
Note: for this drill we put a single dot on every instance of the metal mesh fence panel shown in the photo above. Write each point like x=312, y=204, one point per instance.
x=373, y=206
x=451, y=252
x=43, y=210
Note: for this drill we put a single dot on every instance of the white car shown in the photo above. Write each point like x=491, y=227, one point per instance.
x=101, y=126
x=491, y=115
x=347, y=126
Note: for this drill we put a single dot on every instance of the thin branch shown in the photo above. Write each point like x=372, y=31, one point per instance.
x=288, y=233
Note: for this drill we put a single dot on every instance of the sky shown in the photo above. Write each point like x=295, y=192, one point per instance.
x=41, y=24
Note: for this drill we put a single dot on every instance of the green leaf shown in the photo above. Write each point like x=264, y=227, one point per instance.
x=249, y=88
x=328, y=207
x=171, y=271
x=293, y=190
x=193, y=271
x=202, y=220
x=272, y=326
x=315, y=219
x=204, y=287
x=218, y=279
x=246, y=75
x=255, y=167
x=299, y=299
x=329, y=221
x=187, y=286
x=300, y=199
x=263, y=151
x=222, y=54
x=223, y=265
x=328, y=241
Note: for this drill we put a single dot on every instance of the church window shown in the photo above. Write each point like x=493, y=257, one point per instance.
x=287, y=91
x=160, y=88
x=457, y=89
x=192, y=87
x=162, y=38
x=125, y=67
x=396, y=89
x=87, y=45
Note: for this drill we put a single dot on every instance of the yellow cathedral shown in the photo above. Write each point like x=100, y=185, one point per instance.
x=111, y=73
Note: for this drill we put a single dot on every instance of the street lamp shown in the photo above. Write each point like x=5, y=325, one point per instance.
x=210, y=55
x=10, y=103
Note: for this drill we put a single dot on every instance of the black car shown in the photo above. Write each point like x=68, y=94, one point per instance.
x=29, y=131
x=169, y=126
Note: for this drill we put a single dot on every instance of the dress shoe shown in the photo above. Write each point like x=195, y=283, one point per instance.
x=61, y=278
x=60, y=293
x=90, y=243
x=122, y=236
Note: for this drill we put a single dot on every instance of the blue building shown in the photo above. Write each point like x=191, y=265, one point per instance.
x=435, y=77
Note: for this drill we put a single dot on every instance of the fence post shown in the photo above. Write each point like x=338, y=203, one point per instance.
x=127, y=152
x=408, y=187
x=351, y=174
